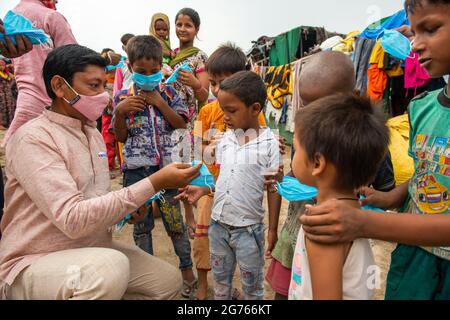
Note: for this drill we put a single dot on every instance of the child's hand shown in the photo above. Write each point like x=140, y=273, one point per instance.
x=188, y=79
x=272, y=179
x=152, y=98
x=272, y=239
x=375, y=198
x=131, y=105
x=282, y=142
x=191, y=194
x=174, y=176
x=139, y=215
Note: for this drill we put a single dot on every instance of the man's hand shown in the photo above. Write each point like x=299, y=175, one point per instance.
x=131, y=105
x=191, y=194
x=9, y=50
x=174, y=176
x=272, y=239
x=333, y=222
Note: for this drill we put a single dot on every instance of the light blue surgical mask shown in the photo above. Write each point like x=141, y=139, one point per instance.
x=158, y=196
x=147, y=83
x=16, y=24
x=205, y=180
x=292, y=190
x=121, y=64
x=396, y=44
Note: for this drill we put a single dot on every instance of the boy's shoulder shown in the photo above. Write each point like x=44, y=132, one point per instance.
x=424, y=102
x=210, y=108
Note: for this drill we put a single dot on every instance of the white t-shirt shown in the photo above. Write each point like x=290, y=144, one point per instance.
x=359, y=272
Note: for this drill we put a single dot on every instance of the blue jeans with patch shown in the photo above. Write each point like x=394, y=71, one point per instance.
x=243, y=246
x=171, y=217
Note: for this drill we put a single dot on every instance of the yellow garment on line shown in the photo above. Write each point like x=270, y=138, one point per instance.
x=402, y=162
x=278, y=82
x=347, y=45
x=377, y=56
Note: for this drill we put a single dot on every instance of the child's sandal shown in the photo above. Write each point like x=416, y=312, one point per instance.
x=189, y=288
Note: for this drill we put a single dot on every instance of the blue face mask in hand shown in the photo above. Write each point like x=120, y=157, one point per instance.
x=147, y=83
x=292, y=190
x=158, y=196
x=15, y=24
x=396, y=44
x=205, y=180
x=174, y=76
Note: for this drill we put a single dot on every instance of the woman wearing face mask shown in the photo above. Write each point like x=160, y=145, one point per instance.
x=57, y=241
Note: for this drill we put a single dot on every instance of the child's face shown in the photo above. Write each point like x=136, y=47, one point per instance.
x=237, y=114
x=162, y=30
x=185, y=29
x=431, y=27
x=147, y=67
x=215, y=81
x=301, y=164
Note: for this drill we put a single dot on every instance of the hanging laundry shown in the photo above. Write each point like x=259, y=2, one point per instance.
x=377, y=56
x=278, y=85
x=376, y=29
x=348, y=44
x=377, y=82
x=363, y=51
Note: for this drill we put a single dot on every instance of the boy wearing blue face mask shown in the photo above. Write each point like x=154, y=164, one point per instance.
x=146, y=116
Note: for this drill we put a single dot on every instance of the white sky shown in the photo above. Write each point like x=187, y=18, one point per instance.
x=100, y=23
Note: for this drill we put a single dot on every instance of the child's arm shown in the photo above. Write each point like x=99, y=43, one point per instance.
x=154, y=98
x=274, y=203
x=326, y=263
x=129, y=105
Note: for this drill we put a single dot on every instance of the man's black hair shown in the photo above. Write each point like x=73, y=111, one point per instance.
x=144, y=47
x=247, y=86
x=228, y=59
x=348, y=131
x=67, y=60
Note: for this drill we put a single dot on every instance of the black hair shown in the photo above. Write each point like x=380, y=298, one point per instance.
x=227, y=59
x=125, y=38
x=247, y=86
x=410, y=5
x=67, y=60
x=195, y=17
x=106, y=50
x=144, y=47
x=350, y=132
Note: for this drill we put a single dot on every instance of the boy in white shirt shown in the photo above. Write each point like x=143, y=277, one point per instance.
x=245, y=155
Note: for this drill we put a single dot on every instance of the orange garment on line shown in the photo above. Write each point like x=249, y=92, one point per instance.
x=210, y=117
x=377, y=82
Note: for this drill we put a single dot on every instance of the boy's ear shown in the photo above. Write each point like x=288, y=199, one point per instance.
x=319, y=164
x=256, y=108
x=58, y=86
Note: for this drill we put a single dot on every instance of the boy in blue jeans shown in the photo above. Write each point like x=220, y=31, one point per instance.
x=245, y=155
x=145, y=119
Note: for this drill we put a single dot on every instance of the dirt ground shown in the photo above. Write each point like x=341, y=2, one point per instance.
x=163, y=247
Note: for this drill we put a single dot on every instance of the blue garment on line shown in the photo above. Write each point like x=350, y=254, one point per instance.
x=174, y=76
x=16, y=24
x=397, y=20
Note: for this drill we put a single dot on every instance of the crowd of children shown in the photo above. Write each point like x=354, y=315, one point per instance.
x=340, y=147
